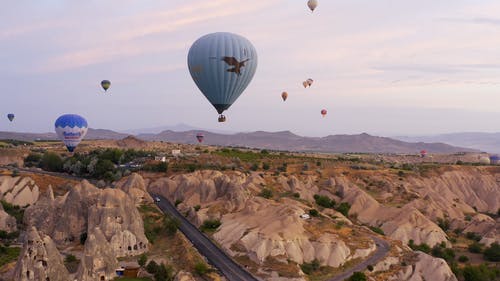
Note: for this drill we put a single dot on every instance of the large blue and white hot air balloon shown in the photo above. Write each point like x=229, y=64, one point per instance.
x=222, y=65
x=71, y=129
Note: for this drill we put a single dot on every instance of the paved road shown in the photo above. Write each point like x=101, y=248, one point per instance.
x=383, y=248
x=215, y=256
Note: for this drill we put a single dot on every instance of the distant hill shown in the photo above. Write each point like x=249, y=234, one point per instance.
x=181, y=127
x=97, y=134
x=284, y=140
x=489, y=142
x=287, y=140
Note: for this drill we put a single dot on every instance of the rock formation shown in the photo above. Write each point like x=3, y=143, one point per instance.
x=116, y=216
x=99, y=259
x=135, y=187
x=85, y=207
x=404, y=224
x=426, y=268
x=208, y=187
x=19, y=191
x=40, y=260
x=265, y=229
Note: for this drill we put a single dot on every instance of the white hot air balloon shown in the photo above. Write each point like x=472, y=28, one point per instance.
x=312, y=4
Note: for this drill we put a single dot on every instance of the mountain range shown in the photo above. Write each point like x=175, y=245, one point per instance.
x=284, y=140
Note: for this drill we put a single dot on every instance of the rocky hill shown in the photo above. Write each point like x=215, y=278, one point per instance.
x=290, y=142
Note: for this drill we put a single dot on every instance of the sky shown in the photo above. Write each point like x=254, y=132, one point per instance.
x=385, y=67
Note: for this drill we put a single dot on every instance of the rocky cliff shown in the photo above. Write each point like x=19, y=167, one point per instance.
x=85, y=207
x=98, y=260
x=40, y=260
x=20, y=191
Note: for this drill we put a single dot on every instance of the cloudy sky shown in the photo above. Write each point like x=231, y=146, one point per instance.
x=386, y=67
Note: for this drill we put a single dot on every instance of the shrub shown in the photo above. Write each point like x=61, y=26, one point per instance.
x=324, y=201
x=309, y=268
x=447, y=254
x=479, y=273
x=152, y=267
x=83, y=238
x=171, y=225
x=254, y=167
x=177, y=202
x=70, y=258
x=492, y=253
x=33, y=159
x=475, y=247
x=463, y=259
x=266, y=166
x=357, y=276
x=210, y=225
x=444, y=224
x=422, y=247
x=313, y=212
x=473, y=236
x=377, y=230
x=197, y=208
x=370, y=267
x=266, y=193
x=296, y=195
x=164, y=273
x=344, y=208
x=201, y=268
x=142, y=260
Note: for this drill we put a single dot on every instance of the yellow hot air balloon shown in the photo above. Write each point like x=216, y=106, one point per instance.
x=284, y=96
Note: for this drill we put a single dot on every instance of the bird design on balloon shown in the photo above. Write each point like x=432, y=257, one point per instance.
x=237, y=65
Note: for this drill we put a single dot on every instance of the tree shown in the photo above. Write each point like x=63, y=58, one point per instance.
x=83, y=238
x=142, y=260
x=266, y=193
x=358, y=276
x=475, y=247
x=51, y=162
x=492, y=253
x=344, y=208
x=479, y=273
x=201, y=268
x=152, y=267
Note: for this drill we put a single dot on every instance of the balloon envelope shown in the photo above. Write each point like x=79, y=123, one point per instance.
x=284, y=96
x=312, y=4
x=10, y=116
x=105, y=84
x=71, y=129
x=199, y=137
x=222, y=65
x=323, y=112
x=423, y=152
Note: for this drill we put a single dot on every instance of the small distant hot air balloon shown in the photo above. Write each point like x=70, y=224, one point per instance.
x=305, y=84
x=222, y=65
x=71, y=129
x=309, y=82
x=312, y=4
x=105, y=84
x=284, y=96
x=10, y=116
x=200, y=137
x=323, y=112
x=423, y=153
x=494, y=159
x=485, y=160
